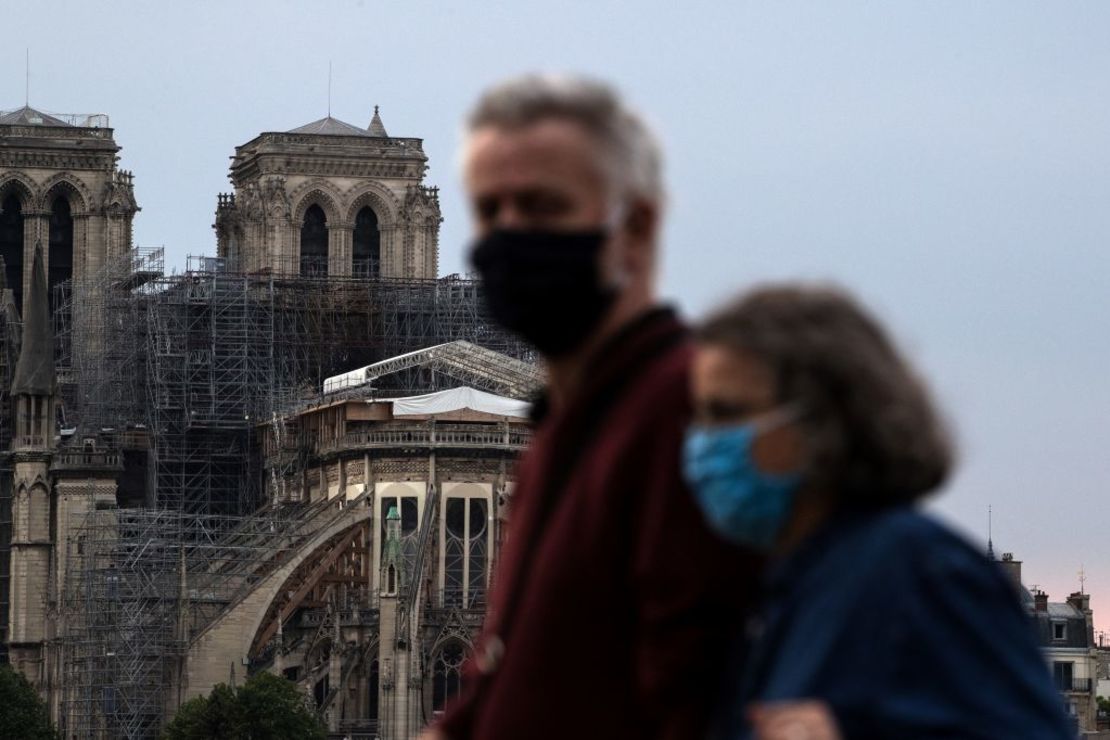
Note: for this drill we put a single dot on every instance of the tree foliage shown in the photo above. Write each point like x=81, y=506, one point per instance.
x=266, y=707
x=22, y=713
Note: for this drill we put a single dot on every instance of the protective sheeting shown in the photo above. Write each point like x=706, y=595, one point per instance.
x=457, y=399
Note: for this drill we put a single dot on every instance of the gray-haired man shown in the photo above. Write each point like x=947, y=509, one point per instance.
x=613, y=603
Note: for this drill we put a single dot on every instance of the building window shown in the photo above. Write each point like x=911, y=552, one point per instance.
x=477, y=549
x=314, y=243
x=372, y=692
x=1059, y=631
x=61, y=244
x=11, y=244
x=367, y=250
x=466, y=552
x=454, y=562
x=1062, y=674
x=446, y=675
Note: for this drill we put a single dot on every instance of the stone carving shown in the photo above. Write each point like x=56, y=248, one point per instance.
x=278, y=206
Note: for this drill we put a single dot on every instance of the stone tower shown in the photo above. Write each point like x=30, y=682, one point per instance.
x=330, y=199
x=33, y=398
x=59, y=186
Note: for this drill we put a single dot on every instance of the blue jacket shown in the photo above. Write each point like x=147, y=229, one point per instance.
x=905, y=630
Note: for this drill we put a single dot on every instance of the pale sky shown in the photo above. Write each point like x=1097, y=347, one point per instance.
x=947, y=160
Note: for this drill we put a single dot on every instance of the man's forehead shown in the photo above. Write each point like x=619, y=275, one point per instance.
x=550, y=146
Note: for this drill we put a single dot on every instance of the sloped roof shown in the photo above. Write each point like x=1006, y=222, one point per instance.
x=1058, y=610
x=471, y=364
x=329, y=126
x=28, y=116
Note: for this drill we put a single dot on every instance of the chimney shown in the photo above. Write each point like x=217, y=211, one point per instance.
x=1080, y=601
x=1040, y=601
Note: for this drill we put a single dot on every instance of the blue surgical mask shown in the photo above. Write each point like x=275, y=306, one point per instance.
x=741, y=502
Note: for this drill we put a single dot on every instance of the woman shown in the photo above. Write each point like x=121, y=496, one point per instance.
x=814, y=441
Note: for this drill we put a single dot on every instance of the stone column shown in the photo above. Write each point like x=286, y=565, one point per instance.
x=96, y=244
x=340, y=241
x=392, y=265
x=80, y=248
x=286, y=246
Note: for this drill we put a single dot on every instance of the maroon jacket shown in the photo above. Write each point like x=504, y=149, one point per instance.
x=613, y=602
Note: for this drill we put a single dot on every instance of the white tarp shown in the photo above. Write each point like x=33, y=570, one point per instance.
x=456, y=399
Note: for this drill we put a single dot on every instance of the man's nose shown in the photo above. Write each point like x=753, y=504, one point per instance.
x=509, y=217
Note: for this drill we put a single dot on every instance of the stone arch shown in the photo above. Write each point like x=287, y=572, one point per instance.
x=238, y=628
x=18, y=196
x=38, y=496
x=22, y=185
x=73, y=187
x=320, y=193
x=64, y=202
x=378, y=198
x=449, y=634
x=315, y=550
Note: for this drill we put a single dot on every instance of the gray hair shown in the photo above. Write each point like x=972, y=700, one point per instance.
x=634, y=160
x=875, y=435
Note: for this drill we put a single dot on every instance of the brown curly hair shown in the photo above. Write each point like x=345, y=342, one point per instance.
x=876, y=438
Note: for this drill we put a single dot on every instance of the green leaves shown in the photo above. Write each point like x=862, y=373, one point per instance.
x=266, y=707
x=22, y=713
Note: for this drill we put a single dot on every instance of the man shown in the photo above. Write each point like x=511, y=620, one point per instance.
x=613, y=604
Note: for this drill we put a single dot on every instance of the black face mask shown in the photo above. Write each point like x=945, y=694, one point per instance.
x=545, y=286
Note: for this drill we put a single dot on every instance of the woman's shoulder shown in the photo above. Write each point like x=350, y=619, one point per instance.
x=901, y=526
x=913, y=542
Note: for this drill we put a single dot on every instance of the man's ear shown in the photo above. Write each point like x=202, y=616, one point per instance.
x=641, y=224
x=642, y=220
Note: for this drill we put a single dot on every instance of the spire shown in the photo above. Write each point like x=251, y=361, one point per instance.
x=377, y=128
x=34, y=372
x=990, y=533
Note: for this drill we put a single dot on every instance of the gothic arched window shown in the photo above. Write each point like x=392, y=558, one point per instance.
x=454, y=550
x=367, y=248
x=60, y=256
x=314, y=242
x=465, y=551
x=372, y=692
x=11, y=244
x=477, y=551
x=446, y=675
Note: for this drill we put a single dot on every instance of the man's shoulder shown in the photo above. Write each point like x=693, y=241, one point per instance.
x=656, y=405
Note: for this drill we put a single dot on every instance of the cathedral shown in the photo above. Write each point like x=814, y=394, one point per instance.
x=295, y=457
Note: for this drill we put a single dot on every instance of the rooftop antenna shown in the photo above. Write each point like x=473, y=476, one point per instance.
x=1082, y=579
x=329, y=88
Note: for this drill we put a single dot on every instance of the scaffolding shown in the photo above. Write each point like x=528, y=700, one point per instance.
x=140, y=584
x=10, y=329
x=226, y=350
x=186, y=367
